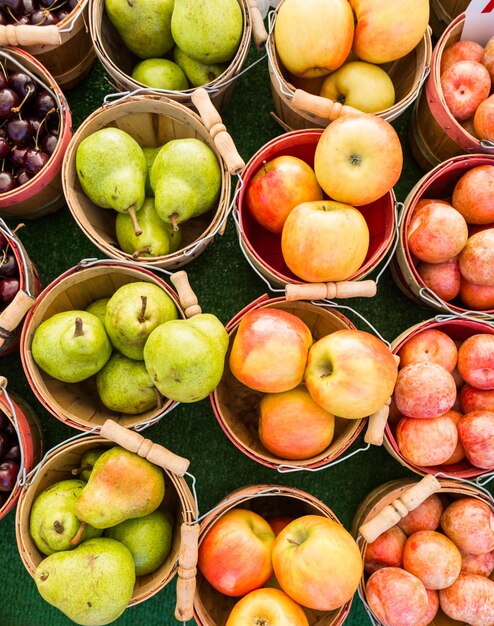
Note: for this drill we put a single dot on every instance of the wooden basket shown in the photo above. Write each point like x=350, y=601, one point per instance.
x=408, y=75
x=43, y=193
x=30, y=437
x=458, y=329
x=236, y=406
x=119, y=62
x=78, y=404
x=438, y=183
x=65, y=49
x=263, y=249
x=386, y=505
x=443, y=12
x=212, y=608
x=57, y=466
x=153, y=120
x=434, y=134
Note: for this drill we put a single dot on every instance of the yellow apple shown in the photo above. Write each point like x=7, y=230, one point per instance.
x=313, y=37
x=363, y=86
x=267, y=606
x=386, y=30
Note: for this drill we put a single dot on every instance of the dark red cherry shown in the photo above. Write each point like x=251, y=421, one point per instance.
x=44, y=103
x=23, y=176
x=15, y=6
x=17, y=155
x=35, y=160
x=19, y=132
x=43, y=18
x=8, y=288
x=7, y=182
x=8, y=475
x=49, y=144
x=22, y=84
x=4, y=147
x=9, y=100
x=8, y=265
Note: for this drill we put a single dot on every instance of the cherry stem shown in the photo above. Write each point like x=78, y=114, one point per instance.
x=173, y=220
x=79, y=331
x=5, y=74
x=48, y=113
x=142, y=317
x=77, y=537
x=18, y=108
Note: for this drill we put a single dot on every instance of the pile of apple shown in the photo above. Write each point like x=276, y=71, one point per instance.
x=467, y=76
x=444, y=395
x=279, y=565
x=348, y=374
x=438, y=557
x=334, y=47
x=452, y=241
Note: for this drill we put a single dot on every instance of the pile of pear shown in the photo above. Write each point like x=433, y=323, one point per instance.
x=136, y=348
x=98, y=532
x=153, y=189
x=182, y=43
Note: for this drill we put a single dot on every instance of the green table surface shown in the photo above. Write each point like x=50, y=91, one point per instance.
x=224, y=283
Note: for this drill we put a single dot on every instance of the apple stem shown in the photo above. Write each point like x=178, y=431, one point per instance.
x=143, y=309
x=144, y=250
x=264, y=166
x=173, y=220
x=58, y=527
x=77, y=537
x=79, y=331
x=132, y=214
x=295, y=543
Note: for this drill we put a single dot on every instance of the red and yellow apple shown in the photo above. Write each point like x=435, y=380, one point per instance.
x=433, y=558
x=427, y=516
x=480, y=564
x=350, y=373
x=277, y=187
x=469, y=523
x=324, y=241
x=429, y=346
x=476, y=297
x=483, y=119
x=470, y=600
x=477, y=258
x=488, y=57
x=444, y=279
x=473, y=399
x=465, y=85
x=267, y=606
x=472, y=195
x=476, y=361
x=427, y=442
x=385, y=551
x=476, y=432
x=459, y=452
x=461, y=51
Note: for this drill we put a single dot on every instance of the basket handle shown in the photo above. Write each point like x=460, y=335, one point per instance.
x=321, y=291
x=153, y=452
x=187, y=570
x=322, y=107
x=409, y=500
x=259, y=32
x=222, y=139
x=27, y=35
x=187, y=297
x=13, y=313
x=376, y=423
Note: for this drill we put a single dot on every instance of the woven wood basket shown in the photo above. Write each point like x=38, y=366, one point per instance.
x=153, y=120
x=434, y=134
x=212, y=608
x=407, y=74
x=43, y=193
x=64, y=49
x=443, y=12
x=119, y=62
x=438, y=184
x=78, y=404
x=458, y=329
x=57, y=466
x=386, y=505
x=236, y=406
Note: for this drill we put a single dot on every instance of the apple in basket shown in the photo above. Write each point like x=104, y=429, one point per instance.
x=267, y=606
x=465, y=85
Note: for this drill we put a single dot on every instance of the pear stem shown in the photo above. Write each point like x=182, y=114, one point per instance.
x=173, y=220
x=77, y=537
x=137, y=253
x=159, y=399
x=78, y=470
x=143, y=309
x=79, y=331
x=132, y=214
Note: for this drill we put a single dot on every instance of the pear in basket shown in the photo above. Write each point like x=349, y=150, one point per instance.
x=150, y=153
x=197, y=73
x=112, y=170
x=186, y=180
x=143, y=25
x=92, y=584
x=98, y=308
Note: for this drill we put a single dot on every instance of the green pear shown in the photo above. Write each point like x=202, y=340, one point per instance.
x=210, y=325
x=88, y=460
x=71, y=346
x=186, y=180
x=160, y=74
x=208, y=31
x=157, y=236
x=125, y=386
x=133, y=312
x=92, y=585
x=143, y=25
x=98, y=307
x=111, y=495
x=112, y=171
x=185, y=360
x=197, y=73
x=150, y=155
x=53, y=523
x=148, y=538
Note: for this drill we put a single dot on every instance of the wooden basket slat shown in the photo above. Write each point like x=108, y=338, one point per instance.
x=443, y=12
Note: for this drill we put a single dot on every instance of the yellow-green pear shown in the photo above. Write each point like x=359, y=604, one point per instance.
x=161, y=74
x=98, y=307
x=150, y=154
x=197, y=73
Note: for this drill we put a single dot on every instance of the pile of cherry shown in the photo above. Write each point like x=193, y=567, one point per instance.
x=29, y=127
x=9, y=458
x=35, y=12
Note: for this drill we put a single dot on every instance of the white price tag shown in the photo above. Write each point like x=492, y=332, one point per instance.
x=479, y=21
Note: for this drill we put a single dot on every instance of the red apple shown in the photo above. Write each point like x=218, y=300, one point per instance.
x=480, y=564
x=465, y=85
x=483, y=120
x=427, y=516
x=459, y=452
x=476, y=361
x=472, y=195
x=427, y=442
x=488, y=57
x=477, y=258
x=432, y=558
x=436, y=233
x=443, y=279
x=476, y=432
x=432, y=609
x=267, y=606
x=461, y=51
x=476, y=297
x=292, y=426
x=324, y=241
x=429, y=346
x=385, y=551
x=350, y=373
x=277, y=187
x=469, y=523
x=269, y=352
x=473, y=399
x=317, y=562
x=235, y=554
x=470, y=599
